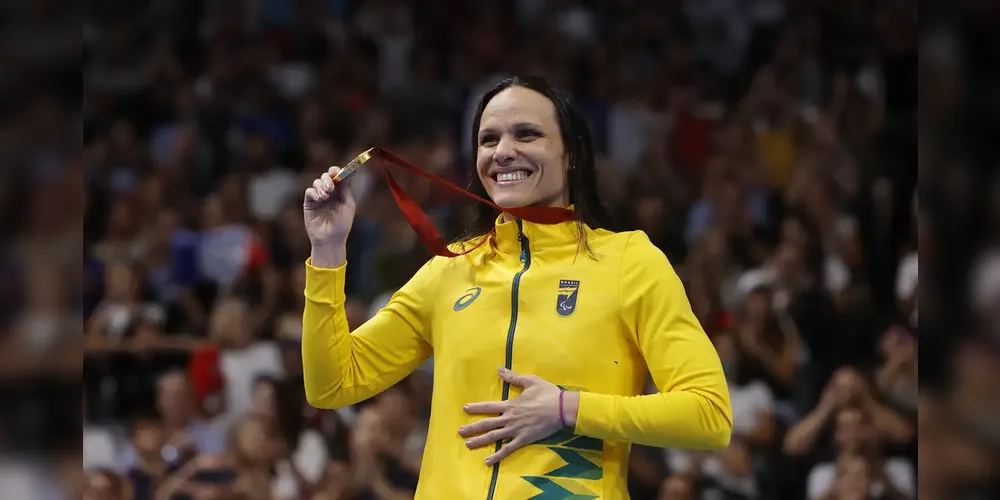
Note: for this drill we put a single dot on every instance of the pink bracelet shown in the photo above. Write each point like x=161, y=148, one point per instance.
x=562, y=418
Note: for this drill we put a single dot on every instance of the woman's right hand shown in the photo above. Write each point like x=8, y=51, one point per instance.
x=328, y=211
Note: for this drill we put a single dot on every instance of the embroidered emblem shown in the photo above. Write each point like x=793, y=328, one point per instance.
x=566, y=301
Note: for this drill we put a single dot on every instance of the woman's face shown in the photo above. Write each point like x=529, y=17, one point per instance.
x=121, y=282
x=264, y=399
x=253, y=439
x=231, y=324
x=793, y=232
x=521, y=159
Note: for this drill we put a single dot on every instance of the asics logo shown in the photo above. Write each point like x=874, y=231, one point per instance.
x=465, y=300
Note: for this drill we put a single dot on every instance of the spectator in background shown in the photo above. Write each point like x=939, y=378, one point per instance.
x=896, y=379
x=860, y=427
x=100, y=450
x=151, y=464
x=305, y=449
x=385, y=449
x=859, y=461
x=181, y=433
x=104, y=484
x=122, y=308
x=242, y=359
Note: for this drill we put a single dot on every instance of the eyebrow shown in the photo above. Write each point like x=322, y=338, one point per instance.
x=516, y=126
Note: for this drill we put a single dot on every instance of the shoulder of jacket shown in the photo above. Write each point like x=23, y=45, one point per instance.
x=639, y=250
x=437, y=264
x=466, y=244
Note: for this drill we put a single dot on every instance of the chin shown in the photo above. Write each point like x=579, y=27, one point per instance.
x=511, y=200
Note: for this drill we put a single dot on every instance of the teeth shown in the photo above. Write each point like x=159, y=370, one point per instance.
x=512, y=176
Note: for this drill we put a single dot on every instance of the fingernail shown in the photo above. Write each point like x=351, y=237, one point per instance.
x=468, y=443
x=502, y=369
x=328, y=185
x=488, y=462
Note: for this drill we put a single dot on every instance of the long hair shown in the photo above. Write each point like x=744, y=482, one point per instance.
x=582, y=166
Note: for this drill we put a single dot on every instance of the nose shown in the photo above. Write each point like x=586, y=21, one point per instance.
x=505, y=152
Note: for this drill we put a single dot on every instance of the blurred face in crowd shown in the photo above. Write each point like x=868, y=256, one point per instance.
x=253, y=440
x=121, y=282
x=849, y=244
x=650, y=214
x=230, y=327
x=789, y=264
x=521, y=159
x=322, y=153
x=677, y=487
x=257, y=151
x=731, y=197
x=121, y=221
x=102, y=485
x=853, y=431
x=792, y=232
x=167, y=222
x=758, y=306
x=264, y=398
x=148, y=438
x=213, y=212
x=173, y=398
x=395, y=409
x=853, y=479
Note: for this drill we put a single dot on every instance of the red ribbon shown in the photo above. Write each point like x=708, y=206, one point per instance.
x=419, y=220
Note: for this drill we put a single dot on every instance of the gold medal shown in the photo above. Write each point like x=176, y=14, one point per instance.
x=354, y=164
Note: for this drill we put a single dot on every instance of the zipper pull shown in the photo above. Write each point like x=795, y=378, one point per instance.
x=521, y=238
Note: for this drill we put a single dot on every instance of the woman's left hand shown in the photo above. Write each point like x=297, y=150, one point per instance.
x=530, y=417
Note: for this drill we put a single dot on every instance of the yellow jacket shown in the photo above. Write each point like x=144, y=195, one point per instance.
x=532, y=301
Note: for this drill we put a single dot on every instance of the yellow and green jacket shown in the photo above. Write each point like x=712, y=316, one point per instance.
x=531, y=300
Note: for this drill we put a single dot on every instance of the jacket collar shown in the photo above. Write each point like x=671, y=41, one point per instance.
x=539, y=236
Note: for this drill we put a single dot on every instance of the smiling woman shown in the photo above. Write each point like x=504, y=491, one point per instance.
x=541, y=354
x=515, y=143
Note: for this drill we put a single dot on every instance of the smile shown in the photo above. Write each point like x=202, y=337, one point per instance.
x=505, y=178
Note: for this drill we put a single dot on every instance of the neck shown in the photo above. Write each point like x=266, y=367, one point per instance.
x=561, y=203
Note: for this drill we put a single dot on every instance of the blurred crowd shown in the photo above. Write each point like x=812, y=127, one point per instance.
x=768, y=147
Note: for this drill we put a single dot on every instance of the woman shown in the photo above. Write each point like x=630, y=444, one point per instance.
x=568, y=304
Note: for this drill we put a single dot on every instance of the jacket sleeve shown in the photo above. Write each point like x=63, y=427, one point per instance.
x=340, y=367
x=692, y=408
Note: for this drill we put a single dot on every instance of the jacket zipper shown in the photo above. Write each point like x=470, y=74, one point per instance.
x=526, y=260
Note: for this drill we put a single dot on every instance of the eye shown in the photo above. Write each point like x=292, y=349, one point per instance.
x=528, y=134
x=488, y=140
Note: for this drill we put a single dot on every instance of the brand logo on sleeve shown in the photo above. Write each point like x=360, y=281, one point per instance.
x=566, y=300
x=468, y=298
